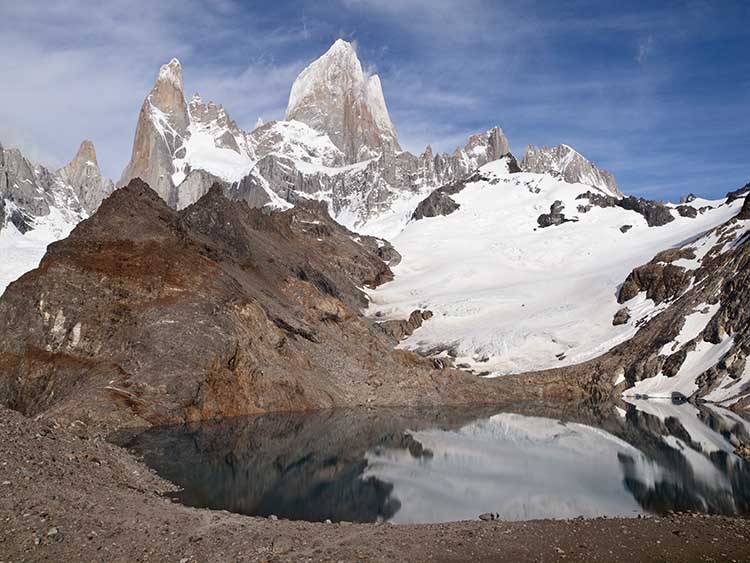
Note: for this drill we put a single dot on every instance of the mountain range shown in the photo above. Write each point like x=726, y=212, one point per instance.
x=471, y=262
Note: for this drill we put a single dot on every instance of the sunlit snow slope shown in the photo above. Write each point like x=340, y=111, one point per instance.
x=23, y=252
x=509, y=296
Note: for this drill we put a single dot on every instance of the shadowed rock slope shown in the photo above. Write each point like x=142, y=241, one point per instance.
x=147, y=315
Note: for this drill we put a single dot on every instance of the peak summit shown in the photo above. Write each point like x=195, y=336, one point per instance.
x=334, y=96
x=168, y=93
x=341, y=45
x=172, y=72
x=86, y=153
x=83, y=175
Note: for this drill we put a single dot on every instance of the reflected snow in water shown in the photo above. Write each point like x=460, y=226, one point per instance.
x=442, y=465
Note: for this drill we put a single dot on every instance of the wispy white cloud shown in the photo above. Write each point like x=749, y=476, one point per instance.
x=645, y=46
x=585, y=73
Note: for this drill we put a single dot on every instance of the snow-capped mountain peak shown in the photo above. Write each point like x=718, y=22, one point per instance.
x=335, y=96
x=172, y=73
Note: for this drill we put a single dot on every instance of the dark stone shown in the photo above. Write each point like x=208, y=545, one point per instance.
x=745, y=212
x=489, y=516
x=674, y=362
x=554, y=217
x=687, y=211
x=621, y=317
x=387, y=253
x=625, y=228
x=513, y=166
x=23, y=222
x=655, y=213
x=439, y=201
x=737, y=194
x=435, y=204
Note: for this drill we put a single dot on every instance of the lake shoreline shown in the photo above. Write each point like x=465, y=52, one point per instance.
x=70, y=497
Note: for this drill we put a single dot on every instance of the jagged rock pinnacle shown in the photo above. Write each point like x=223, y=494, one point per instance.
x=162, y=125
x=84, y=176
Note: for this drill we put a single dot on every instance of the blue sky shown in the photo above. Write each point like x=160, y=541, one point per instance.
x=656, y=92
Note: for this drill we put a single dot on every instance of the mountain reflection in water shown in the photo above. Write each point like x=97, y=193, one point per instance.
x=452, y=464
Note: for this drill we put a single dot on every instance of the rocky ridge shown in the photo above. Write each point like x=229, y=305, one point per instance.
x=568, y=163
x=656, y=213
x=147, y=315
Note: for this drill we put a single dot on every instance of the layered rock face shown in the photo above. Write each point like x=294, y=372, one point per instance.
x=333, y=95
x=150, y=315
x=337, y=144
x=20, y=183
x=570, y=165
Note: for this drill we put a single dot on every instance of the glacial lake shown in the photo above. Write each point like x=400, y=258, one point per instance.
x=438, y=465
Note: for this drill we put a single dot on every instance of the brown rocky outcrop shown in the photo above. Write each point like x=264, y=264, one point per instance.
x=660, y=281
x=436, y=204
x=723, y=278
x=621, y=316
x=400, y=329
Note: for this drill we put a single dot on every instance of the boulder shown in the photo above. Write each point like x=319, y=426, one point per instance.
x=400, y=329
x=554, y=217
x=621, y=317
x=687, y=211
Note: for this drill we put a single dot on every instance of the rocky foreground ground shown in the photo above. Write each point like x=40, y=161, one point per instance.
x=67, y=497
